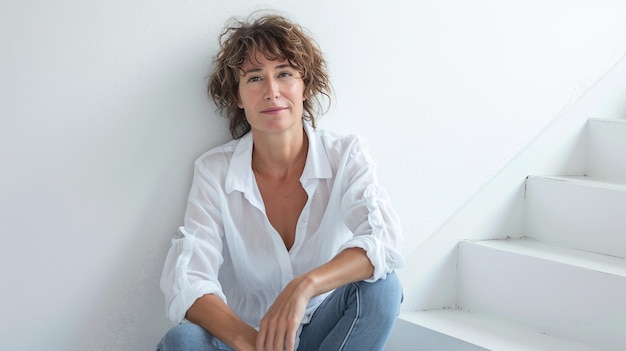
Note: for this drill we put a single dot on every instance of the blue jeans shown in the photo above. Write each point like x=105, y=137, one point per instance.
x=356, y=317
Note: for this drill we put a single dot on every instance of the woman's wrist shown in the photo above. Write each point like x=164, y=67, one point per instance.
x=309, y=285
x=246, y=342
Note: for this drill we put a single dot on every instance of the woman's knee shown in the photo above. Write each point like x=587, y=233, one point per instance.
x=384, y=296
x=387, y=287
x=186, y=336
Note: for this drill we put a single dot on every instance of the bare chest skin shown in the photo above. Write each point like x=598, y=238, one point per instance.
x=284, y=202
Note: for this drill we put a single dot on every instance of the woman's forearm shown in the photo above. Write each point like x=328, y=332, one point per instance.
x=211, y=313
x=348, y=266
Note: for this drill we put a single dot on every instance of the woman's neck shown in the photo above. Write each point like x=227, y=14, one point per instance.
x=280, y=156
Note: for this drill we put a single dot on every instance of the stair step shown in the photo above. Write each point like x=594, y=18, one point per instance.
x=577, y=212
x=606, y=149
x=567, y=293
x=460, y=330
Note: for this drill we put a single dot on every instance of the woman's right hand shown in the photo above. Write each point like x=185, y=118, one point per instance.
x=280, y=324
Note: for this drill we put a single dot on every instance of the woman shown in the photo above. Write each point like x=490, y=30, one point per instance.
x=288, y=241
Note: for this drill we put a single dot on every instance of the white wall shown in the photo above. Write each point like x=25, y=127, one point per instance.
x=103, y=110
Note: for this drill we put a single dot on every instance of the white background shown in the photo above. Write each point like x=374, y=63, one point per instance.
x=103, y=110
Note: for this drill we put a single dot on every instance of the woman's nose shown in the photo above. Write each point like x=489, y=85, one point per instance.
x=272, y=91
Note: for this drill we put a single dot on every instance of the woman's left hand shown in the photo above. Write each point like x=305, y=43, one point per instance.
x=280, y=324
x=278, y=328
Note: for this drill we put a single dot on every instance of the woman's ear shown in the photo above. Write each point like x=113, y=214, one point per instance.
x=239, y=104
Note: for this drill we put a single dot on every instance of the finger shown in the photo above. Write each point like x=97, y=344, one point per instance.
x=261, y=337
x=271, y=335
x=290, y=337
x=279, y=337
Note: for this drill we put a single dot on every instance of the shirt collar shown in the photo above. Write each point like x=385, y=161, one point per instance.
x=241, y=178
x=317, y=163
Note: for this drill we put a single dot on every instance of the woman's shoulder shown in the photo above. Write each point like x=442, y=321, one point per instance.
x=340, y=142
x=218, y=156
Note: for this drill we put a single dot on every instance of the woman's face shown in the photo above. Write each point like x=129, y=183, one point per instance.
x=271, y=93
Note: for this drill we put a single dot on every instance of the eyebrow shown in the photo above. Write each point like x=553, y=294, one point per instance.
x=259, y=69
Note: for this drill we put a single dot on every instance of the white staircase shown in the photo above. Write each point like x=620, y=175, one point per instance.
x=562, y=286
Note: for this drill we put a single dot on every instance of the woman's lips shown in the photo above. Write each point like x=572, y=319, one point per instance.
x=273, y=110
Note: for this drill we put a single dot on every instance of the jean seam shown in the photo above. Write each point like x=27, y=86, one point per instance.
x=356, y=318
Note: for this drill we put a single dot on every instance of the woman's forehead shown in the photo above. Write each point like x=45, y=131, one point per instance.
x=258, y=57
x=261, y=59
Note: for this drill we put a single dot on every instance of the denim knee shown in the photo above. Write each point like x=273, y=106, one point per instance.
x=383, y=297
x=184, y=337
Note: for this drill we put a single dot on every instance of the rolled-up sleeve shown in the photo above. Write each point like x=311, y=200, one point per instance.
x=368, y=212
x=193, y=261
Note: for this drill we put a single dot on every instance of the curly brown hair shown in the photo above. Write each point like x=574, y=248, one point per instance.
x=278, y=39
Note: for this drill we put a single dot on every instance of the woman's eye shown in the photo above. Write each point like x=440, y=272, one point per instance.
x=254, y=79
x=284, y=75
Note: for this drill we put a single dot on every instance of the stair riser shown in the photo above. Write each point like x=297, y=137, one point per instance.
x=577, y=216
x=562, y=300
x=606, y=150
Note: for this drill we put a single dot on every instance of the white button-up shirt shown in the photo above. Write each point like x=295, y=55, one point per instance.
x=228, y=247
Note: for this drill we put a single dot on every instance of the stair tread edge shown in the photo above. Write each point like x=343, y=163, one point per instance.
x=487, y=331
x=555, y=253
x=583, y=180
